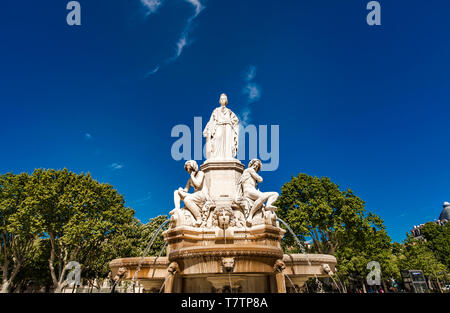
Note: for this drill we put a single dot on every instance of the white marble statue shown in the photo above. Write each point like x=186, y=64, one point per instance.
x=222, y=132
x=248, y=189
x=194, y=202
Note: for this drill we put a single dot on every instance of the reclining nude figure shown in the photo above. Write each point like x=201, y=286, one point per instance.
x=248, y=184
x=194, y=202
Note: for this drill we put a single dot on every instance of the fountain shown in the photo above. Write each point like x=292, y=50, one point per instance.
x=227, y=236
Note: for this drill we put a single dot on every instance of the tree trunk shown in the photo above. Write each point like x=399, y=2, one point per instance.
x=51, y=265
x=430, y=286
x=344, y=288
x=58, y=282
x=5, y=280
x=5, y=286
x=384, y=285
x=439, y=285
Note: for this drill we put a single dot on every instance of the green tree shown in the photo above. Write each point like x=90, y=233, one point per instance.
x=438, y=241
x=126, y=243
x=416, y=255
x=18, y=229
x=338, y=224
x=76, y=214
x=35, y=273
x=132, y=241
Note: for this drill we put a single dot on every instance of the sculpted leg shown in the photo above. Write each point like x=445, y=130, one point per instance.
x=194, y=209
x=176, y=199
x=273, y=196
x=178, y=195
x=259, y=199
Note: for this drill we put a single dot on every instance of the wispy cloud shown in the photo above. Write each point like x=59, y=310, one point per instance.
x=152, y=71
x=198, y=6
x=245, y=116
x=251, y=73
x=87, y=136
x=252, y=91
x=140, y=202
x=116, y=166
x=183, y=41
x=151, y=6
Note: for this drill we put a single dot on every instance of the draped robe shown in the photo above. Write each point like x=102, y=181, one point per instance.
x=222, y=133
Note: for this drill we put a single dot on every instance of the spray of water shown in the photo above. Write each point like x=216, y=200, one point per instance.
x=159, y=255
x=164, y=283
x=335, y=283
x=287, y=276
x=147, y=249
x=302, y=249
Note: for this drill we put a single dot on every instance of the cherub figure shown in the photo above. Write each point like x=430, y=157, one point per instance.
x=194, y=202
x=248, y=188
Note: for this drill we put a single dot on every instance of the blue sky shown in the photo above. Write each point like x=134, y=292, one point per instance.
x=366, y=106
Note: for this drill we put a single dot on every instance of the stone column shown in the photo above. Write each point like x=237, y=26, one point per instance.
x=221, y=178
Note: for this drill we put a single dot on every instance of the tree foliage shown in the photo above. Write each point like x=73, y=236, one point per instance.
x=18, y=228
x=71, y=215
x=417, y=255
x=438, y=240
x=337, y=223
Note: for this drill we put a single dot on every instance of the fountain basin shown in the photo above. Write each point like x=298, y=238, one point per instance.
x=235, y=260
x=249, y=274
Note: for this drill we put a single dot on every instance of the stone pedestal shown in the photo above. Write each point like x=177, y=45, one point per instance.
x=221, y=178
x=205, y=257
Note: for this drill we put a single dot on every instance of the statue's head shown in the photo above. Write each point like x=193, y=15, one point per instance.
x=255, y=164
x=223, y=100
x=191, y=166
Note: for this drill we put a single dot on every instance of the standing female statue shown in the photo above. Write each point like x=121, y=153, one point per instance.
x=222, y=132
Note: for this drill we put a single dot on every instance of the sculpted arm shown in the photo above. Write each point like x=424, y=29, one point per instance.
x=234, y=119
x=208, y=128
x=256, y=176
x=197, y=181
x=188, y=186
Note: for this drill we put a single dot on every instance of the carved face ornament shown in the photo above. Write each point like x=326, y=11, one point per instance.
x=228, y=264
x=224, y=218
